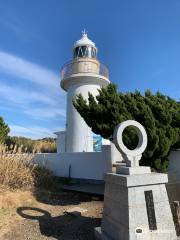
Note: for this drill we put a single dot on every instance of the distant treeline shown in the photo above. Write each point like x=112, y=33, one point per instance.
x=44, y=145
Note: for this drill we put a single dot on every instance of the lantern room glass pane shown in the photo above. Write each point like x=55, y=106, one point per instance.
x=84, y=51
x=93, y=52
x=80, y=54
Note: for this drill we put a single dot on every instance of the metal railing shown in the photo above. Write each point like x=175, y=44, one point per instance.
x=86, y=67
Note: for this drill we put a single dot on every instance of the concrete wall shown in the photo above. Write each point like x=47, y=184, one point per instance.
x=173, y=186
x=89, y=165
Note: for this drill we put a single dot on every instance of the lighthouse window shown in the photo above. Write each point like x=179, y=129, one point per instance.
x=93, y=52
x=76, y=51
x=81, y=51
x=84, y=51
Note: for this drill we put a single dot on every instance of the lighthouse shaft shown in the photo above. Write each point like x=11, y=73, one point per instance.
x=78, y=135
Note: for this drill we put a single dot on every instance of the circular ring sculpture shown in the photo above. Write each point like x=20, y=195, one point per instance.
x=118, y=138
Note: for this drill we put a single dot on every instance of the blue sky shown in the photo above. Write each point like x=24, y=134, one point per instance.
x=138, y=40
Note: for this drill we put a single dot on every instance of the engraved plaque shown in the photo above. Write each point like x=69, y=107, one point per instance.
x=150, y=210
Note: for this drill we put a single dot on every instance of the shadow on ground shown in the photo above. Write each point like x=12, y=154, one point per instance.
x=59, y=191
x=66, y=227
x=64, y=198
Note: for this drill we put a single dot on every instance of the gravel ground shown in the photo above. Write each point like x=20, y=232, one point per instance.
x=67, y=216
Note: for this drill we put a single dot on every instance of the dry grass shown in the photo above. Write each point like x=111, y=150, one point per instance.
x=20, y=179
x=9, y=201
x=14, y=199
x=18, y=171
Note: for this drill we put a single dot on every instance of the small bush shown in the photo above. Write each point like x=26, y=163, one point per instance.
x=42, y=177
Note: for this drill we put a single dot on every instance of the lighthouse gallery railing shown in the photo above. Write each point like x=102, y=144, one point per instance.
x=68, y=69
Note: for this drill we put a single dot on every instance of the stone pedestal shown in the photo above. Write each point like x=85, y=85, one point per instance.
x=136, y=207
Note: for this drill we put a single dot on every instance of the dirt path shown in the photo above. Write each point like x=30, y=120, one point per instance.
x=67, y=216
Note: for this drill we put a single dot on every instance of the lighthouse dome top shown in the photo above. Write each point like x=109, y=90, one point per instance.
x=84, y=48
x=84, y=41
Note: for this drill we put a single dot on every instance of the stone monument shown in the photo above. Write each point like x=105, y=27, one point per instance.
x=136, y=204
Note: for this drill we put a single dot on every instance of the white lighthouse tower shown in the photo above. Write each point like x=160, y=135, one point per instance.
x=83, y=74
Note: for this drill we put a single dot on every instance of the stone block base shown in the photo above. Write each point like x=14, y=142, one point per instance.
x=136, y=207
x=132, y=170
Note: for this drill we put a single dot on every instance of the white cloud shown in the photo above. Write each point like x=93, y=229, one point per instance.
x=23, y=96
x=48, y=112
x=46, y=102
x=34, y=132
x=21, y=68
x=49, y=94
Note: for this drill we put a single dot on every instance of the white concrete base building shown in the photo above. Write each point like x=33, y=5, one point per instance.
x=79, y=165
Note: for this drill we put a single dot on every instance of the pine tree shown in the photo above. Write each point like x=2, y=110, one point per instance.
x=159, y=114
